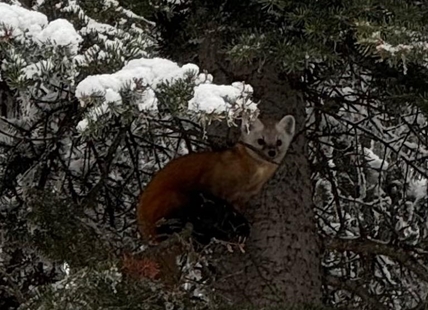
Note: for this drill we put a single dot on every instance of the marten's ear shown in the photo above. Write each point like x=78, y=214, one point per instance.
x=256, y=125
x=287, y=124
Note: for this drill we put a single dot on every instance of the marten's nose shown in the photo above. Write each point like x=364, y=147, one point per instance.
x=272, y=153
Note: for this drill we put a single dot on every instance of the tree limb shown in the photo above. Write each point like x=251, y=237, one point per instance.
x=371, y=247
x=357, y=288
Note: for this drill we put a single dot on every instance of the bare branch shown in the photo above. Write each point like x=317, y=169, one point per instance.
x=366, y=246
x=356, y=287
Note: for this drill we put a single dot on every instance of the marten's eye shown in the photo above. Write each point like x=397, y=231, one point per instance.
x=261, y=142
x=278, y=142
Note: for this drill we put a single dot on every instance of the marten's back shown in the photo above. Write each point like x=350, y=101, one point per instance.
x=233, y=175
x=230, y=175
x=171, y=187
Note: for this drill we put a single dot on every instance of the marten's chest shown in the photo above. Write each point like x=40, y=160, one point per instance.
x=257, y=178
x=243, y=184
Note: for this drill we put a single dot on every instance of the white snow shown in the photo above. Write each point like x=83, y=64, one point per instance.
x=204, y=78
x=160, y=70
x=142, y=75
x=116, y=5
x=66, y=268
x=148, y=101
x=21, y=20
x=394, y=49
x=375, y=161
x=146, y=75
x=147, y=72
x=100, y=83
x=38, y=4
x=35, y=25
x=348, y=93
x=36, y=69
x=62, y=33
x=112, y=96
x=94, y=26
x=418, y=188
x=213, y=98
x=82, y=125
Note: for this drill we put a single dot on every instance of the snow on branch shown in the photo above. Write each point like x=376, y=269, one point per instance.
x=394, y=44
x=147, y=74
x=23, y=23
x=220, y=98
x=21, y=20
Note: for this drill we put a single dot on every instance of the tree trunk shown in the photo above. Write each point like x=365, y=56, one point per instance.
x=282, y=260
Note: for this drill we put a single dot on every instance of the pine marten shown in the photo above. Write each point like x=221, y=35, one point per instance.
x=233, y=175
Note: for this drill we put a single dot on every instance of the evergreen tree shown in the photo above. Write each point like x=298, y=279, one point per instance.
x=90, y=115
x=89, y=112
x=360, y=66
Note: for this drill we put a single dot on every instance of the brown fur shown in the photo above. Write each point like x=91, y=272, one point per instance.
x=236, y=175
x=232, y=175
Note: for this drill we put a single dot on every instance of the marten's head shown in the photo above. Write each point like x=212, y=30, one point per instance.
x=269, y=138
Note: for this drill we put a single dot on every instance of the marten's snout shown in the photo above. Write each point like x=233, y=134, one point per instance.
x=272, y=153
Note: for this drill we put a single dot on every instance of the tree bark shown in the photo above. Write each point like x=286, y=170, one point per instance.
x=282, y=260
x=281, y=264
